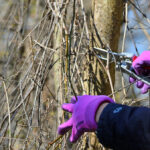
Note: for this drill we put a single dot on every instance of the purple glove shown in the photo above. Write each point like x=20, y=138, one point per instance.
x=141, y=66
x=83, y=115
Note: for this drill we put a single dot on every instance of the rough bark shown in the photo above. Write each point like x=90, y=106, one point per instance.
x=106, y=20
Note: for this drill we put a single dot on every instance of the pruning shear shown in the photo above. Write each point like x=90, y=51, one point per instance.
x=123, y=62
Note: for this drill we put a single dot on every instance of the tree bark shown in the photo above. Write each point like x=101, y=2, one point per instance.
x=106, y=20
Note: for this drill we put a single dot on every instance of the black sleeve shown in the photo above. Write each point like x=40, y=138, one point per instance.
x=122, y=127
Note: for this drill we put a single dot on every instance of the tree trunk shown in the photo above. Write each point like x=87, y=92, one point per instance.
x=106, y=20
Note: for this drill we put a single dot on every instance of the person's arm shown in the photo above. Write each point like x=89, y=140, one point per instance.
x=117, y=126
x=123, y=127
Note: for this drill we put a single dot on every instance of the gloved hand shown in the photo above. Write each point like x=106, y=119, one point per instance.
x=141, y=66
x=83, y=115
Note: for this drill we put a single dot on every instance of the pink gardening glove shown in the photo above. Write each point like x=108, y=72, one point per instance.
x=83, y=115
x=141, y=66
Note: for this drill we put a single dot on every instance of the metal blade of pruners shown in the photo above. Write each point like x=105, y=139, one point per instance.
x=123, y=62
x=113, y=56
